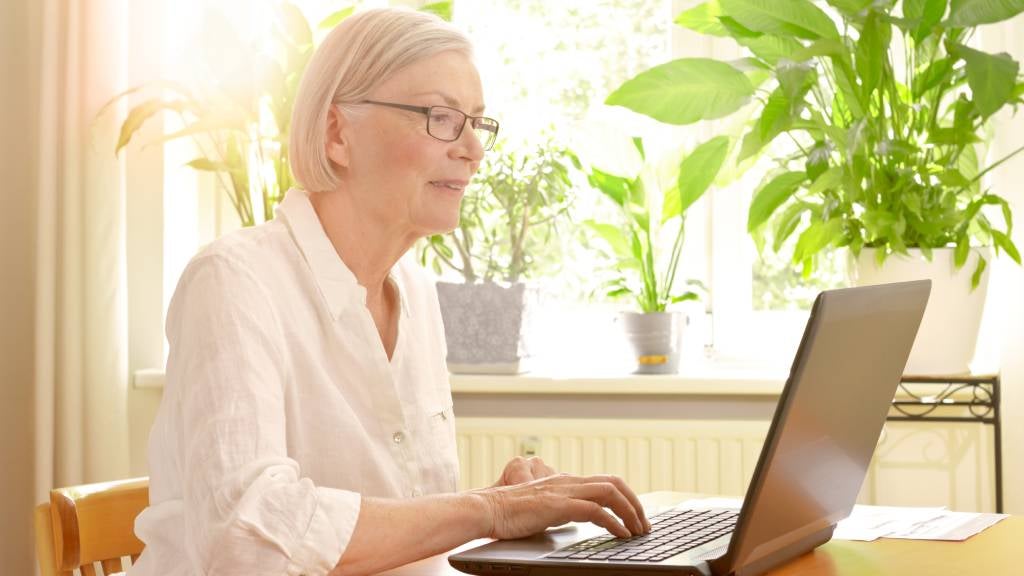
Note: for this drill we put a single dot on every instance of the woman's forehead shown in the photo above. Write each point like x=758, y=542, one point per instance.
x=449, y=76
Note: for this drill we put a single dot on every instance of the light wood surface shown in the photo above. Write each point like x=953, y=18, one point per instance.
x=994, y=552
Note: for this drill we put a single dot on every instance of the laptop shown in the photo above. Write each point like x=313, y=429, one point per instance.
x=813, y=462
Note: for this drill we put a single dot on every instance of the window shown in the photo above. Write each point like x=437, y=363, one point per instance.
x=546, y=67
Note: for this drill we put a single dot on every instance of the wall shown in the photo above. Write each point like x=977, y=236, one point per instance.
x=1008, y=288
x=18, y=68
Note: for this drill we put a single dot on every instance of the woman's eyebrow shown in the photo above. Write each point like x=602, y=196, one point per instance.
x=449, y=100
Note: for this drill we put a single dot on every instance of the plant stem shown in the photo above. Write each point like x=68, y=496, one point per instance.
x=993, y=166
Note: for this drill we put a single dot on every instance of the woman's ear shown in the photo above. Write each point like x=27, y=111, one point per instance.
x=337, y=137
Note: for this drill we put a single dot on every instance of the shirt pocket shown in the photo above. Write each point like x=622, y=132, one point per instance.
x=445, y=456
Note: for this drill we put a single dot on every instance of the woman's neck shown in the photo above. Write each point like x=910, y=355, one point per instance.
x=368, y=246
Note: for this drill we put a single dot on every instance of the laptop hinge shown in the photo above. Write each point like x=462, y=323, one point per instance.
x=725, y=565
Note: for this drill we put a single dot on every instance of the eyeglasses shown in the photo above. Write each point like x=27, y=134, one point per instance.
x=446, y=123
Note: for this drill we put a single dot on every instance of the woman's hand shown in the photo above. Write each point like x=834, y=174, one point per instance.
x=523, y=509
x=519, y=470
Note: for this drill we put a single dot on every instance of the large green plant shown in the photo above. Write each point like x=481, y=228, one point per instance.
x=881, y=114
x=511, y=216
x=641, y=272
x=241, y=127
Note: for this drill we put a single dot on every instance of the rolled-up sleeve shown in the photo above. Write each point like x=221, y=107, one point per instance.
x=247, y=507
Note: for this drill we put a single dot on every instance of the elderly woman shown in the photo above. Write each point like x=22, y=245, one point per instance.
x=306, y=425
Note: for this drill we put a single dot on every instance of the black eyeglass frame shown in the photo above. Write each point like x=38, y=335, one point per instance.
x=426, y=111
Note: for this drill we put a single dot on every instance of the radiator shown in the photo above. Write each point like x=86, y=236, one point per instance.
x=949, y=466
x=711, y=457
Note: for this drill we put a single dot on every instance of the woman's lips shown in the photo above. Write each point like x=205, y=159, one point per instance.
x=454, y=185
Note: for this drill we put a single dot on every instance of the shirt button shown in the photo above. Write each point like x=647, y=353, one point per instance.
x=398, y=437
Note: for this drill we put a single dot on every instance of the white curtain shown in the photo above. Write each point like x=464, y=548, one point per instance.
x=81, y=370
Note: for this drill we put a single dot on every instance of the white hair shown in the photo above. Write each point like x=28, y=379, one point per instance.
x=357, y=56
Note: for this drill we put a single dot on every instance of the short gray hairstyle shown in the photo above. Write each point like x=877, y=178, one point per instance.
x=356, y=57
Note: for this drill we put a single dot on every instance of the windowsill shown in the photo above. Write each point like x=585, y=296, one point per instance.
x=710, y=379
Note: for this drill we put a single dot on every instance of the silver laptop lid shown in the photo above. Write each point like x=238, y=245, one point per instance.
x=827, y=423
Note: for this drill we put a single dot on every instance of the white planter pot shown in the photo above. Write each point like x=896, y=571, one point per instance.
x=655, y=338
x=949, y=331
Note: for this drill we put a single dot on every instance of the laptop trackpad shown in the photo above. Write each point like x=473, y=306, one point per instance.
x=534, y=546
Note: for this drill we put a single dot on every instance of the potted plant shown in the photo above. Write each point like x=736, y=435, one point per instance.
x=508, y=233
x=881, y=118
x=642, y=269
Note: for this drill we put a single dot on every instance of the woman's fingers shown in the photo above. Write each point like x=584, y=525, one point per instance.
x=626, y=491
x=519, y=470
x=539, y=469
x=527, y=508
x=608, y=495
x=589, y=511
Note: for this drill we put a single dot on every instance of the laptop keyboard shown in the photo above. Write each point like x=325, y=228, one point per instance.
x=672, y=532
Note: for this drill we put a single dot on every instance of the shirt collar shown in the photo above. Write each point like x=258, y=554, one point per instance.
x=337, y=284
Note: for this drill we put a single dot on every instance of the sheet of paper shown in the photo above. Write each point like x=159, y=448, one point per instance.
x=869, y=523
x=954, y=526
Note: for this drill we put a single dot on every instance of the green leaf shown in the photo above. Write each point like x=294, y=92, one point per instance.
x=771, y=196
x=850, y=7
x=795, y=79
x=685, y=296
x=698, y=170
x=614, y=187
x=828, y=180
x=638, y=143
x=703, y=18
x=671, y=206
x=781, y=17
x=737, y=30
x=871, y=52
x=771, y=48
x=936, y=73
x=774, y=117
x=1003, y=241
x=336, y=18
x=976, y=277
x=817, y=236
x=817, y=161
x=207, y=165
x=786, y=224
x=138, y=116
x=614, y=237
x=968, y=13
x=751, y=145
x=960, y=252
x=618, y=292
x=925, y=15
x=953, y=178
x=685, y=91
x=443, y=10
x=992, y=78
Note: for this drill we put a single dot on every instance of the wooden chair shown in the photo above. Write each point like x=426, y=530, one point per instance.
x=88, y=524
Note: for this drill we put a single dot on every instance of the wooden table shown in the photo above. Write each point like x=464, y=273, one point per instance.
x=994, y=552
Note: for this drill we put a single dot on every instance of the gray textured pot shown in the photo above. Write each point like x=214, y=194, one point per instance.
x=656, y=338
x=486, y=326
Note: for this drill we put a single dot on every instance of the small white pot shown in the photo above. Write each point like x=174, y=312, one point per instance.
x=655, y=338
x=949, y=331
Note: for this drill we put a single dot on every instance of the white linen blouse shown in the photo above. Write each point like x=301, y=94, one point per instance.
x=281, y=407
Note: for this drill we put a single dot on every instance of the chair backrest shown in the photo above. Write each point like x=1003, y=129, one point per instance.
x=88, y=524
